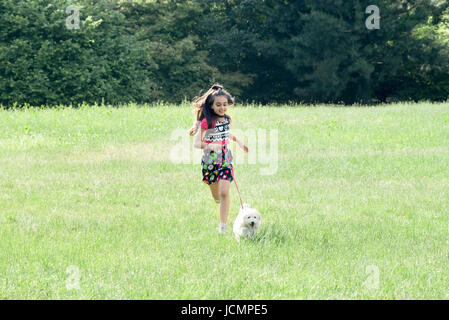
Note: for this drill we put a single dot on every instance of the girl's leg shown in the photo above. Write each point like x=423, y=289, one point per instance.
x=214, y=190
x=225, y=199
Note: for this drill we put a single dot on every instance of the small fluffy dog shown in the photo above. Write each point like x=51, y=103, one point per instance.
x=247, y=222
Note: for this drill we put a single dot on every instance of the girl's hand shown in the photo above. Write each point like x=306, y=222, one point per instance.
x=240, y=143
x=192, y=131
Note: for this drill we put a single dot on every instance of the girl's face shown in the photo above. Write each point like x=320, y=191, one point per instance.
x=220, y=105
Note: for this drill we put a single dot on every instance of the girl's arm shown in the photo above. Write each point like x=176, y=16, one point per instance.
x=192, y=131
x=240, y=143
x=203, y=145
x=199, y=139
x=233, y=138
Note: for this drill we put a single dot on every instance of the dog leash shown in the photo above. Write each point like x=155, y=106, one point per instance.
x=235, y=182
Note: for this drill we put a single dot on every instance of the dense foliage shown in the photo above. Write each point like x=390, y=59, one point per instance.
x=261, y=50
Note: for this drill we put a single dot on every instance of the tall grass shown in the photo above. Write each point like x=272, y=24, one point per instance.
x=93, y=207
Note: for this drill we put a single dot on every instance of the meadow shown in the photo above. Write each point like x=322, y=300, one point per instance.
x=92, y=205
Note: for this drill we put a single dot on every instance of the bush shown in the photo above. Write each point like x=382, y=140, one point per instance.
x=44, y=62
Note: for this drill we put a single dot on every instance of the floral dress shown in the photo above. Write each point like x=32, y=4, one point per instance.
x=217, y=166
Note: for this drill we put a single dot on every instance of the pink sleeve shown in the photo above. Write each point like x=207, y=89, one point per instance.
x=204, y=124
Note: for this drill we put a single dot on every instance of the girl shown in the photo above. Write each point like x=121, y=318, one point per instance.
x=216, y=162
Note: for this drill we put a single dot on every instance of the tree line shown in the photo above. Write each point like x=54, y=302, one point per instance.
x=264, y=51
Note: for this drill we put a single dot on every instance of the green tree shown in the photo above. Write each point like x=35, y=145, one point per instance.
x=42, y=62
x=322, y=51
x=176, y=57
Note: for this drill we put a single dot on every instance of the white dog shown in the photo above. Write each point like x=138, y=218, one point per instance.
x=247, y=222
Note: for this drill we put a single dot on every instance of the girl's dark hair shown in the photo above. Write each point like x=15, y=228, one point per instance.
x=203, y=105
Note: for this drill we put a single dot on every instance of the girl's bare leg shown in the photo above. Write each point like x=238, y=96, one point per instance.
x=223, y=192
x=214, y=190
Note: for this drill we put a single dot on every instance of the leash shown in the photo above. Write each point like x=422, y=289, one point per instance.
x=235, y=181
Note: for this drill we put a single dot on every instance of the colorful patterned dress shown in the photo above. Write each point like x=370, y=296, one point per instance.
x=217, y=165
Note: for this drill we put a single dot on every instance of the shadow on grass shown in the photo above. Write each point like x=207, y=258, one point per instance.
x=275, y=234
x=287, y=235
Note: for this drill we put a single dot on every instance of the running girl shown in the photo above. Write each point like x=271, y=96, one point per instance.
x=212, y=134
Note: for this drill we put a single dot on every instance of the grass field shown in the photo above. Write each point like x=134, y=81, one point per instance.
x=92, y=207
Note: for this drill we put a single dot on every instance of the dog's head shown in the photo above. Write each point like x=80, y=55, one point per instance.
x=251, y=217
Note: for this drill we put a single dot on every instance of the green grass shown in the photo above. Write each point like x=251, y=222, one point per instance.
x=94, y=190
